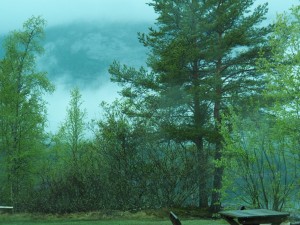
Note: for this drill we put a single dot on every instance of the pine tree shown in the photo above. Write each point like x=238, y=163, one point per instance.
x=202, y=56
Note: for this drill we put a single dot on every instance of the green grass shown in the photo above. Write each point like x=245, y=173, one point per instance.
x=110, y=217
x=112, y=222
x=24, y=220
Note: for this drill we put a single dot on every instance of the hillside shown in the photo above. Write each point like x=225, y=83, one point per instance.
x=80, y=53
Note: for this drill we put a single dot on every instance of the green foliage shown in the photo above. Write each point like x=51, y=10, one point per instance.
x=283, y=70
x=261, y=162
x=262, y=148
x=23, y=112
x=142, y=172
x=202, y=59
x=164, y=143
x=73, y=130
x=70, y=180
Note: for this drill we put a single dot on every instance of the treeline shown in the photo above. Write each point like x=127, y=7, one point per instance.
x=212, y=120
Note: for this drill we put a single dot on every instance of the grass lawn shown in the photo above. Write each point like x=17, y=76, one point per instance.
x=111, y=222
x=20, y=220
x=110, y=217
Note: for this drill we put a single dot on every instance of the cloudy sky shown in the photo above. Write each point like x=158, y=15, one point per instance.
x=14, y=12
x=58, y=12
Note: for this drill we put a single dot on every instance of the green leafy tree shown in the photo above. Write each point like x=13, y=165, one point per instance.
x=142, y=172
x=283, y=70
x=202, y=56
x=118, y=141
x=74, y=176
x=73, y=130
x=262, y=169
x=71, y=143
x=263, y=147
x=22, y=109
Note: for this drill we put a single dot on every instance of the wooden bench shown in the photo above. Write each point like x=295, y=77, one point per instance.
x=10, y=208
x=174, y=219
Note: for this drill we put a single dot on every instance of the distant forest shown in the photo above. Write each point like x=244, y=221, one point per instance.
x=208, y=114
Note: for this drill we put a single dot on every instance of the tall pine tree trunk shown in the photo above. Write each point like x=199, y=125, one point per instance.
x=202, y=159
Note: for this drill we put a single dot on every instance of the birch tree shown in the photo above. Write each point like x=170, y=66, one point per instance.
x=22, y=109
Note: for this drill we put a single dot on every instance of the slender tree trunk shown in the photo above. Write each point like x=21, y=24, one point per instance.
x=218, y=170
x=199, y=120
x=217, y=183
x=202, y=174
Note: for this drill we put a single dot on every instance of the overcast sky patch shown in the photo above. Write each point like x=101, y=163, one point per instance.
x=13, y=13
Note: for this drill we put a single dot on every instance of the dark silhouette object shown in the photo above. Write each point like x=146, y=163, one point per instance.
x=243, y=208
x=174, y=219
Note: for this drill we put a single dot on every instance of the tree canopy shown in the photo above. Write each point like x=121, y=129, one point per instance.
x=202, y=59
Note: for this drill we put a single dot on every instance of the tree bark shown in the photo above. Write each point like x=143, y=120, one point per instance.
x=199, y=121
x=202, y=175
x=218, y=169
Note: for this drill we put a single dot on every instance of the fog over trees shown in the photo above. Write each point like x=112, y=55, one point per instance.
x=207, y=113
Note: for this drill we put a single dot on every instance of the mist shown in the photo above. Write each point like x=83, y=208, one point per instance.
x=83, y=37
x=79, y=55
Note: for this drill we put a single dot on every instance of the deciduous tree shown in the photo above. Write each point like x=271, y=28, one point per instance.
x=264, y=145
x=22, y=109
